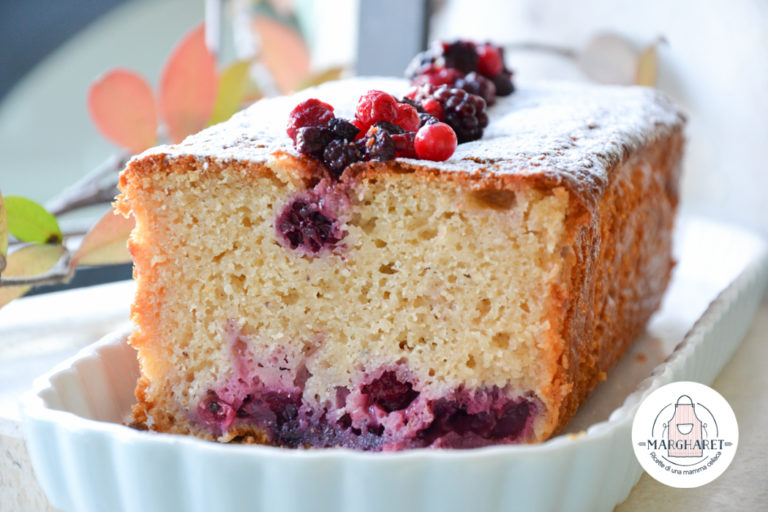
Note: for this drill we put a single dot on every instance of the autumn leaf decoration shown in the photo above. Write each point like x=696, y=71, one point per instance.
x=191, y=95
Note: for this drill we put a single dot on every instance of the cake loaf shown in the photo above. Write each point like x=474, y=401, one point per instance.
x=409, y=303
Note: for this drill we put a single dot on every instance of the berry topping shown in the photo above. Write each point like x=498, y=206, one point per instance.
x=436, y=75
x=433, y=108
x=379, y=144
x=449, y=63
x=392, y=128
x=312, y=140
x=478, y=85
x=376, y=106
x=460, y=55
x=302, y=225
x=404, y=144
x=503, y=83
x=311, y=112
x=462, y=111
x=407, y=117
x=435, y=142
x=343, y=129
x=390, y=393
x=339, y=154
x=489, y=60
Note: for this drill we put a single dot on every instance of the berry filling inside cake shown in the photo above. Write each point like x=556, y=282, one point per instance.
x=383, y=410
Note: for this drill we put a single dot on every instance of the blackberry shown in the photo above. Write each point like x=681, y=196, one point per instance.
x=428, y=119
x=503, y=83
x=392, y=128
x=302, y=225
x=379, y=145
x=343, y=129
x=462, y=111
x=339, y=154
x=461, y=55
x=312, y=140
x=414, y=104
x=478, y=85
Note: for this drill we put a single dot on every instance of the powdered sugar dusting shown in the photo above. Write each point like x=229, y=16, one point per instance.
x=566, y=133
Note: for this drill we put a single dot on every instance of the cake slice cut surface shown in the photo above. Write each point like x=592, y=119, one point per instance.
x=410, y=303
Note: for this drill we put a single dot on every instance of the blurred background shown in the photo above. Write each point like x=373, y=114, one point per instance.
x=710, y=57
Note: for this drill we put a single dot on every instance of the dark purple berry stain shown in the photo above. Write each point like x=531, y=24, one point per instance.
x=389, y=392
x=310, y=221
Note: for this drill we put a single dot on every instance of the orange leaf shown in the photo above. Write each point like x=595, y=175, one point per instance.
x=105, y=243
x=123, y=108
x=188, y=86
x=283, y=52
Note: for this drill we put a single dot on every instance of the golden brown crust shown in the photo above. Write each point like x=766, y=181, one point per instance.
x=619, y=269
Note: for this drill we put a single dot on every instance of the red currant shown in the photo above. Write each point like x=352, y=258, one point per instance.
x=435, y=142
x=311, y=112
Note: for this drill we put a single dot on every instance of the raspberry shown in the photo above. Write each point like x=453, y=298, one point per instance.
x=503, y=83
x=433, y=108
x=343, y=129
x=460, y=55
x=376, y=106
x=407, y=117
x=404, y=144
x=379, y=144
x=435, y=142
x=489, y=60
x=312, y=140
x=436, y=75
x=311, y=112
x=339, y=154
x=478, y=85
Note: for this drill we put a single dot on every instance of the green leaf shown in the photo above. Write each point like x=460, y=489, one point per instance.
x=30, y=222
x=229, y=97
x=105, y=243
x=28, y=261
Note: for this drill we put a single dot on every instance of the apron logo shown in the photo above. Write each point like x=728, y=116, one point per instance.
x=685, y=434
